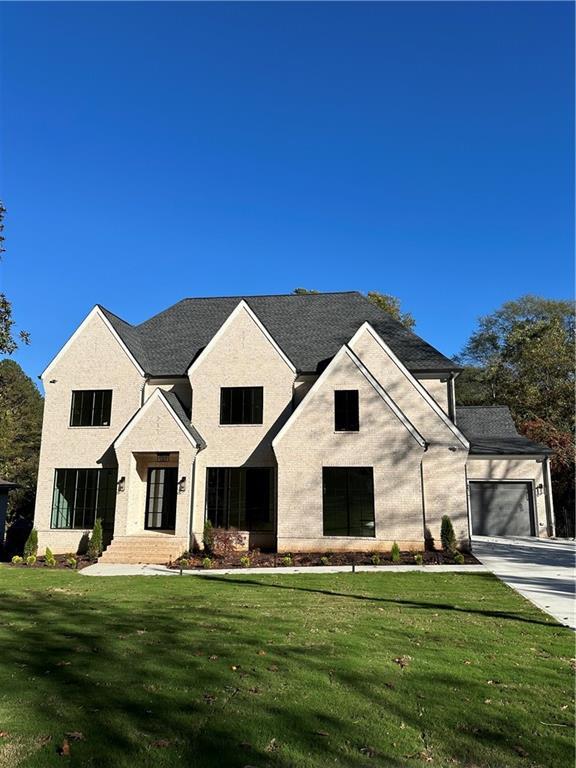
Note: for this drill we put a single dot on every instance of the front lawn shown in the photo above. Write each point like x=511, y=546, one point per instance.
x=387, y=669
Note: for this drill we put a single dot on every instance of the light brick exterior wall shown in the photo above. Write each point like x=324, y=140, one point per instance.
x=383, y=442
x=94, y=360
x=443, y=464
x=241, y=357
x=529, y=470
x=439, y=391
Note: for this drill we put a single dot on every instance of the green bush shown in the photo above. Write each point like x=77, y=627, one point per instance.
x=31, y=546
x=287, y=560
x=16, y=560
x=182, y=562
x=50, y=561
x=31, y=559
x=447, y=535
x=48, y=554
x=208, y=537
x=95, y=543
x=418, y=559
x=459, y=558
x=207, y=562
x=375, y=559
x=71, y=561
x=395, y=553
x=325, y=560
x=245, y=561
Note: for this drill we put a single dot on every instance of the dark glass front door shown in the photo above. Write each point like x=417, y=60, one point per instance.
x=161, y=499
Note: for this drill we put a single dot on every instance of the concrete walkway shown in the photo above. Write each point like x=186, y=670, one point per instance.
x=542, y=570
x=108, y=569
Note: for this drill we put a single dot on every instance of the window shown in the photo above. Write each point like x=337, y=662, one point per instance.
x=240, y=498
x=348, y=501
x=241, y=405
x=82, y=495
x=91, y=408
x=346, y=411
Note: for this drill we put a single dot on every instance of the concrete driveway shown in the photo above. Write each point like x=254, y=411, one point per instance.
x=543, y=570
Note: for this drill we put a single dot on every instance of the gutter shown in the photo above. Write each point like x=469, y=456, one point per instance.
x=452, y=395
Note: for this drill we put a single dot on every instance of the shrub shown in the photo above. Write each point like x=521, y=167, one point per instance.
x=208, y=538
x=49, y=557
x=50, y=561
x=418, y=559
x=182, y=562
x=31, y=546
x=16, y=560
x=207, y=562
x=95, y=543
x=71, y=561
x=459, y=558
x=245, y=561
x=447, y=535
x=375, y=559
x=395, y=553
x=31, y=559
x=287, y=561
x=325, y=560
x=227, y=541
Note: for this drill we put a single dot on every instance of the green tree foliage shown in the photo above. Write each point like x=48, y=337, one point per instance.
x=21, y=406
x=8, y=343
x=95, y=543
x=522, y=356
x=383, y=301
x=447, y=535
x=31, y=546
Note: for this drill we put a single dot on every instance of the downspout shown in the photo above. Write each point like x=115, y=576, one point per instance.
x=452, y=395
x=551, y=523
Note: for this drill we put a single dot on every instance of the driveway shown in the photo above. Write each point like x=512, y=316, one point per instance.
x=540, y=569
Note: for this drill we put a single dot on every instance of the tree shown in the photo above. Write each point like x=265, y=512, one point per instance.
x=522, y=356
x=383, y=301
x=8, y=343
x=21, y=406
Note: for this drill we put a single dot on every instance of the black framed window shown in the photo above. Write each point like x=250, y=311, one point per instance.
x=346, y=410
x=82, y=495
x=241, y=405
x=348, y=501
x=240, y=497
x=91, y=408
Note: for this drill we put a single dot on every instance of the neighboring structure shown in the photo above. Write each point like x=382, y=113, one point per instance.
x=314, y=422
x=5, y=487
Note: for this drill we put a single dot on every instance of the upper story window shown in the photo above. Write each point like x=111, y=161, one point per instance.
x=91, y=408
x=241, y=405
x=346, y=410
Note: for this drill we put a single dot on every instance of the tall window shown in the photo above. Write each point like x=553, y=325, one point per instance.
x=82, y=495
x=348, y=501
x=241, y=405
x=91, y=408
x=240, y=497
x=346, y=410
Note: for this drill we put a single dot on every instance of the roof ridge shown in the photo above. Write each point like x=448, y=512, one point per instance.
x=109, y=312
x=267, y=295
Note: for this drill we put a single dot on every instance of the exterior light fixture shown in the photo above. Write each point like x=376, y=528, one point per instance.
x=121, y=484
x=540, y=490
x=182, y=485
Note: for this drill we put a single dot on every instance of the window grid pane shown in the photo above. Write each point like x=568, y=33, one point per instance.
x=91, y=408
x=348, y=501
x=241, y=405
x=239, y=497
x=346, y=410
x=81, y=495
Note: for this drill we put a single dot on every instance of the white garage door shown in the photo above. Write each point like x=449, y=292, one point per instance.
x=501, y=509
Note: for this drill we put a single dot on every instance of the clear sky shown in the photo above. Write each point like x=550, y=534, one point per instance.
x=152, y=151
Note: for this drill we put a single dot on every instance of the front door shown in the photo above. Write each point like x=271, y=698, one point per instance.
x=161, y=499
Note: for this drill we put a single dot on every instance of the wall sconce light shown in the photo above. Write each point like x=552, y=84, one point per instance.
x=540, y=490
x=182, y=485
x=121, y=484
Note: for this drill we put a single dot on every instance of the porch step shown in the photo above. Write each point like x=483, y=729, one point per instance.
x=144, y=549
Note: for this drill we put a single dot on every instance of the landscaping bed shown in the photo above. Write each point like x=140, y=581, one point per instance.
x=257, y=559
x=66, y=562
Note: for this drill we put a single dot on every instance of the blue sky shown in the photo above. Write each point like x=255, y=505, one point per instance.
x=152, y=151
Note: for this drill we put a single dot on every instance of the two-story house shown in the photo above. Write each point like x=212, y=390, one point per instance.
x=313, y=422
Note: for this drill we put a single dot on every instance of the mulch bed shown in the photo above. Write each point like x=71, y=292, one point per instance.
x=82, y=561
x=259, y=559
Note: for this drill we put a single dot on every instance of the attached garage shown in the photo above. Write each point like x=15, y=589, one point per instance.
x=502, y=509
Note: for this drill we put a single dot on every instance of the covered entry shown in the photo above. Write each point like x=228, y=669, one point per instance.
x=502, y=508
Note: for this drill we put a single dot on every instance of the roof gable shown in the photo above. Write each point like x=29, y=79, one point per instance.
x=309, y=329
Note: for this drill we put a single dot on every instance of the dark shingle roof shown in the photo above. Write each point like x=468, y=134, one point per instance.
x=7, y=485
x=491, y=431
x=309, y=328
x=184, y=417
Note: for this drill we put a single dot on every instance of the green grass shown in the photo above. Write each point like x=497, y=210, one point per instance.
x=280, y=671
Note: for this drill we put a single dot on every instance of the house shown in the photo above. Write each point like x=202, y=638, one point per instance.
x=312, y=422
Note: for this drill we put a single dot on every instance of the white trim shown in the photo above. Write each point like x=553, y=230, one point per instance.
x=366, y=373
x=415, y=383
x=241, y=306
x=94, y=312
x=158, y=394
x=537, y=457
